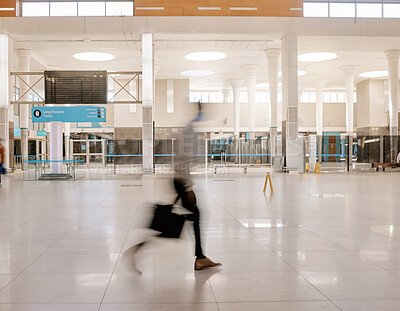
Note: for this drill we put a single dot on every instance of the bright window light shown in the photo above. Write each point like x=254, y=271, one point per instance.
x=374, y=74
x=94, y=56
x=391, y=10
x=197, y=73
x=205, y=56
x=315, y=9
x=342, y=9
x=35, y=9
x=119, y=8
x=369, y=10
x=299, y=73
x=91, y=8
x=316, y=57
x=63, y=9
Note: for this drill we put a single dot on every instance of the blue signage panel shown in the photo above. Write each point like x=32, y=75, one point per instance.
x=69, y=114
x=42, y=133
x=17, y=131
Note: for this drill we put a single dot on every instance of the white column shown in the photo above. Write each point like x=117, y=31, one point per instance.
x=273, y=59
x=349, y=72
x=251, y=73
x=393, y=68
x=24, y=66
x=56, y=149
x=225, y=95
x=236, y=84
x=319, y=106
x=4, y=99
x=291, y=101
x=147, y=103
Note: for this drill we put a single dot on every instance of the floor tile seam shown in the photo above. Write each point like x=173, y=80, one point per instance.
x=320, y=291
x=118, y=259
x=370, y=261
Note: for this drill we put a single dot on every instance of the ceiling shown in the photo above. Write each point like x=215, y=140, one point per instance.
x=53, y=41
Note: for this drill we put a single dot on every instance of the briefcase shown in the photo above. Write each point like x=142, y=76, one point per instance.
x=168, y=223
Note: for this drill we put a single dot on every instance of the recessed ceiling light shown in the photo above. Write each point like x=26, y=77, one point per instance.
x=316, y=57
x=299, y=73
x=205, y=56
x=197, y=73
x=94, y=56
x=374, y=74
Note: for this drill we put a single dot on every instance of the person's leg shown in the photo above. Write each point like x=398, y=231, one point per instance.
x=195, y=217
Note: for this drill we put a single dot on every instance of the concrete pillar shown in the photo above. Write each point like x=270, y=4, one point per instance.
x=4, y=97
x=273, y=59
x=24, y=66
x=251, y=73
x=147, y=103
x=291, y=102
x=349, y=72
x=236, y=84
x=393, y=68
x=225, y=94
x=319, y=113
x=56, y=147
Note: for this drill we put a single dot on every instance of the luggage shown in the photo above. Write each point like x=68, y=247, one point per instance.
x=168, y=223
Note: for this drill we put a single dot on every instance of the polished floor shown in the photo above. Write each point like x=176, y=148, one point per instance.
x=321, y=242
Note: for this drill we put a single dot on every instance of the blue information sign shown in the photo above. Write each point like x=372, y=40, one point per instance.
x=69, y=114
x=42, y=133
x=17, y=131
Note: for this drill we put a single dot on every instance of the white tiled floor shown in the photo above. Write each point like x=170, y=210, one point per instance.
x=321, y=242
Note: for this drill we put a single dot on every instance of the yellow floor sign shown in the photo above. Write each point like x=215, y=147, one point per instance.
x=270, y=183
x=317, y=169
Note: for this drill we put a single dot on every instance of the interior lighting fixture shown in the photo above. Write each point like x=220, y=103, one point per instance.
x=94, y=56
x=197, y=73
x=316, y=57
x=205, y=56
x=374, y=74
x=299, y=73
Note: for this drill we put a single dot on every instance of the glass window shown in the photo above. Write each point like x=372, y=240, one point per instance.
x=243, y=97
x=391, y=10
x=369, y=10
x=91, y=8
x=342, y=9
x=220, y=98
x=315, y=9
x=63, y=9
x=213, y=97
x=119, y=8
x=35, y=9
x=341, y=97
x=191, y=97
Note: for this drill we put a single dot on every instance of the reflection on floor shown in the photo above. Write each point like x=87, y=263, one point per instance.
x=321, y=242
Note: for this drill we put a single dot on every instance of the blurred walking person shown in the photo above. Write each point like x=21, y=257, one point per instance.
x=183, y=186
x=2, y=160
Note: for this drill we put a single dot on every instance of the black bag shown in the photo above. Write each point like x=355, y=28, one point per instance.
x=168, y=223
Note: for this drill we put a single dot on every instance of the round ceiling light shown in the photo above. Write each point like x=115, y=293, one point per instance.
x=94, y=56
x=299, y=73
x=316, y=57
x=205, y=56
x=197, y=73
x=374, y=74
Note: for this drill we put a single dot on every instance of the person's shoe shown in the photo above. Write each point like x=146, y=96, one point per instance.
x=204, y=263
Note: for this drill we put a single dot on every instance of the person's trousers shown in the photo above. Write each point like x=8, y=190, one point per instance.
x=1, y=170
x=195, y=216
